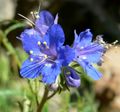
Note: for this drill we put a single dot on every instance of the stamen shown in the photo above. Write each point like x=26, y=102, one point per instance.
x=84, y=57
x=48, y=64
x=81, y=47
x=36, y=15
x=39, y=43
x=115, y=42
x=107, y=46
x=26, y=19
x=100, y=39
x=32, y=13
x=45, y=56
x=19, y=38
x=45, y=43
x=31, y=59
x=31, y=52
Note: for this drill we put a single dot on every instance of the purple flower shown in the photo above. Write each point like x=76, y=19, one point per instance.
x=72, y=79
x=46, y=54
x=88, y=53
x=44, y=21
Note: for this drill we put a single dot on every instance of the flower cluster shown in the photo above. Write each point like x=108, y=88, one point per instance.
x=50, y=58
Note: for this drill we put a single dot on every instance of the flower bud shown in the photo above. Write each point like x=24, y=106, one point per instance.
x=72, y=79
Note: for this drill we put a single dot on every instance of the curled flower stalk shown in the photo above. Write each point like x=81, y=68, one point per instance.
x=88, y=53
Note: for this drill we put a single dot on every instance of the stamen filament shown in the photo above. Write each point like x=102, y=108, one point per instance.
x=26, y=19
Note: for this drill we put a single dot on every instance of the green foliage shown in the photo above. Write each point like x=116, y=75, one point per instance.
x=4, y=67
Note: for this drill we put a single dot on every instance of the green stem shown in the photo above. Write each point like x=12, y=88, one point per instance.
x=43, y=101
x=36, y=92
x=52, y=95
x=33, y=92
x=9, y=47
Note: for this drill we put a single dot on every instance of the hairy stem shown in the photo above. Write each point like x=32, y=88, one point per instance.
x=43, y=101
x=51, y=95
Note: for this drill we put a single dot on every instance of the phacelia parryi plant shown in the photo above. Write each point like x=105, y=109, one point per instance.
x=50, y=60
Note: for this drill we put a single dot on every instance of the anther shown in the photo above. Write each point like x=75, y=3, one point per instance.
x=84, y=57
x=49, y=65
x=31, y=52
x=115, y=42
x=31, y=59
x=31, y=12
x=36, y=15
x=45, y=43
x=45, y=56
x=39, y=43
x=81, y=47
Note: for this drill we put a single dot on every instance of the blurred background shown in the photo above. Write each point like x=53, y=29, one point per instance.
x=101, y=16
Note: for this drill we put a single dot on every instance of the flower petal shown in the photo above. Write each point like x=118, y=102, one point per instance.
x=66, y=54
x=91, y=53
x=30, y=39
x=90, y=70
x=72, y=79
x=44, y=21
x=56, y=19
x=31, y=69
x=50, y=72
x=84, y=39
x=76, y=40
x=55, y=36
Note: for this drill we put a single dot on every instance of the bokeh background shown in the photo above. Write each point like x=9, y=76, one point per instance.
x=101, y=16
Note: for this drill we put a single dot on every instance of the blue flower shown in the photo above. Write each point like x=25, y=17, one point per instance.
x=46, y=54
x=72, y=79
x=88, y=53
x=44, y=21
